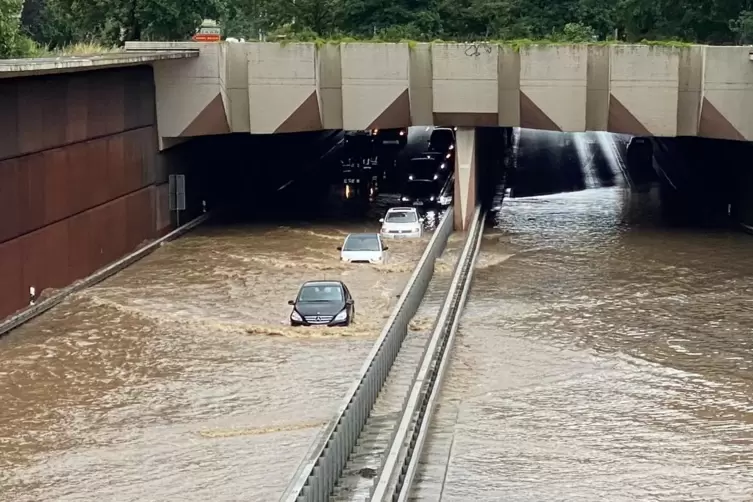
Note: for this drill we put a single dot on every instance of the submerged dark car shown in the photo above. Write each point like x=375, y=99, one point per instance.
x=422, y=193
x=323, y=303
x=428, y=167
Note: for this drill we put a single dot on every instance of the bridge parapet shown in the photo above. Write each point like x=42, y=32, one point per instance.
x=632, y=89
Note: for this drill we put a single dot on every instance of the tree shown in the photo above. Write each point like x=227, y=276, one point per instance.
x=12, y=42
x=742, y=27
x=112, y=22
x=60, y=22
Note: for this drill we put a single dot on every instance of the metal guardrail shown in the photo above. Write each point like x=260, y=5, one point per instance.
x=323, y=465
x=394, y=480
x=97, y=277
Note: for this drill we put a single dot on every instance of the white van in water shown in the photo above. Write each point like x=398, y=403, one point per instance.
x=402, y=222
x=363, y=248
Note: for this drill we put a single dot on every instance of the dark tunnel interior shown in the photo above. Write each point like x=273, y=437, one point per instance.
x=703, y=182
x=256, y=177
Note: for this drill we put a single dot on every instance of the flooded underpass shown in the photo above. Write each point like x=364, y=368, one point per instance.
x=180, y=377
x=602, y=356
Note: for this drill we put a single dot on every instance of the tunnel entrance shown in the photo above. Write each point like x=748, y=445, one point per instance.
x=701, y=182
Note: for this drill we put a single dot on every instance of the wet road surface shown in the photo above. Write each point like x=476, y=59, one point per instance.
x=180, y=377
x=602, y=356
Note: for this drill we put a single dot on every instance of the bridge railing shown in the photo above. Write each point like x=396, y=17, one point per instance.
x=323, y=465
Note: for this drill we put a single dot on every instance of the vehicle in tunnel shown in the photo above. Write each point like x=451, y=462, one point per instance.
x=429, y=166
x=447, y=192
x=390, y=138
x=363, y=248
x=442, y=140
x=323, y=303
x=402, y=222
x=358, y=149
x=360, y=185
x=422, y=193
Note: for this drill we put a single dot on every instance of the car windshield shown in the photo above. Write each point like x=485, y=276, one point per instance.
x=421, y=188
x=441, y=139
x=320, y=293
x=424, y=169
x=361, y=243
x=401, y=217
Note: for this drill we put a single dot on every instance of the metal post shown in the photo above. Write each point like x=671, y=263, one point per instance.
x=177, y=191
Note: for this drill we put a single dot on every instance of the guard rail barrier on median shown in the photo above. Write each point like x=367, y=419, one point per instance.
x=100, y=275
x=394, y=480
x=325, y=462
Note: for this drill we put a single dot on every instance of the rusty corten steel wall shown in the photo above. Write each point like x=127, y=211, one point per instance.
x=77, y=167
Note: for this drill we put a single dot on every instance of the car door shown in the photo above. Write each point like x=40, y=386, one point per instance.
x=383, y=249
x=348, y=296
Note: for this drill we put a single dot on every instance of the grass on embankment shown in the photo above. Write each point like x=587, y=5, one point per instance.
x=78, y=49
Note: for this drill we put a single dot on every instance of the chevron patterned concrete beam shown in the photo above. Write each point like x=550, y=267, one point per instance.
x=634, y=89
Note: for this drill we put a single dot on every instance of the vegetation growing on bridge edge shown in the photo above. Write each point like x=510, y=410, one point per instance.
x=58, y=25
x=516, y=45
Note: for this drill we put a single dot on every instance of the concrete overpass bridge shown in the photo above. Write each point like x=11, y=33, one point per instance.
x=633, y=89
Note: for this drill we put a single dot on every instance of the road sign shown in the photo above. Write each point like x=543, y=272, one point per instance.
x=208, y=32
x=206, y=37
x=177, y=190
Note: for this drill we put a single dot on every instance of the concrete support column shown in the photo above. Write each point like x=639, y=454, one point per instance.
x=464, y=198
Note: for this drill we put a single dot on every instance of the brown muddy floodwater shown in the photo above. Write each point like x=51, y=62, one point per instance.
x=180, y=378
x=601, y=357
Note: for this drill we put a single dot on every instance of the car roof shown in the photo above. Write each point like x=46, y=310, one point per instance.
x=323, y=283
x=370, y=234
x=402, y=210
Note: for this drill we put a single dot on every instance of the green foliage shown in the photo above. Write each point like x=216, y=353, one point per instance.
x=64, y=22
x=551, y=21
x=742, y=27
x=516, y=23
x=12, y=42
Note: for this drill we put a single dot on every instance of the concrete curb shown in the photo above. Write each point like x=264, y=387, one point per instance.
x=100, y=275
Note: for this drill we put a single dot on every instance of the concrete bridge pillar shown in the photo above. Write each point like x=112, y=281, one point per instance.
x=464, y=198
